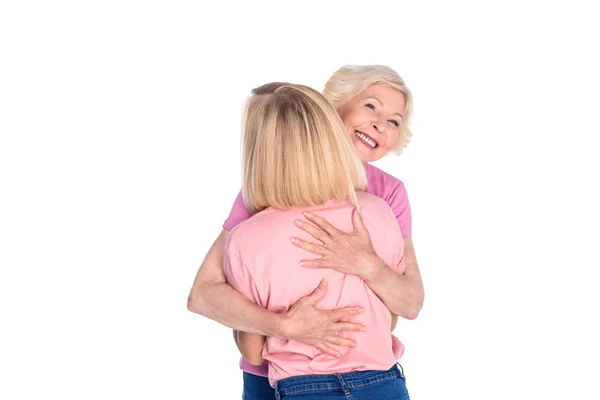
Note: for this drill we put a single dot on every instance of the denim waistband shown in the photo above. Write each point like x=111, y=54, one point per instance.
x=348, y=380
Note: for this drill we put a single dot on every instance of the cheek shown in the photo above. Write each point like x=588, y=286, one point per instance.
x=354, y=118
x=393, y=139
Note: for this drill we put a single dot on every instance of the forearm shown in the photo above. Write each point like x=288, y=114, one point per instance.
x=220, y=302
x=402, y=295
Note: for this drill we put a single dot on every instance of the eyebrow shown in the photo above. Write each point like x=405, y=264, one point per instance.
x=379, y=101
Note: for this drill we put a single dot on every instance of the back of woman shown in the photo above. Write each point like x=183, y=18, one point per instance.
x=274, y=279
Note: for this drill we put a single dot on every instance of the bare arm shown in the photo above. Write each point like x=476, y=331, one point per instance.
x=251, y=346
x=213, y=298
x=403, y=294
x=353, y=253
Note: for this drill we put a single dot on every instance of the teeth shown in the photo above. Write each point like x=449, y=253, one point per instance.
x=367, y=139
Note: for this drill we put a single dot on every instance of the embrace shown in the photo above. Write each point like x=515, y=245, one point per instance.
x=315, y=262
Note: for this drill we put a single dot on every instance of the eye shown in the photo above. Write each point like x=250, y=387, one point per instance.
x=371, y=106
x=394, y=122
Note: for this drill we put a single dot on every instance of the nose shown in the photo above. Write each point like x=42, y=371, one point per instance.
x=379, y=124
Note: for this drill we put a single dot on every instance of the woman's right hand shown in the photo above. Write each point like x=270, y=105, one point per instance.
x=307, y=324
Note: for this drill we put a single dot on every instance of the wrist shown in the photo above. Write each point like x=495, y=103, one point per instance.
x=280, y=326
x=373, y=267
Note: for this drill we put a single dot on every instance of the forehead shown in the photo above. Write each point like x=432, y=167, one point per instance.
x=391, y=97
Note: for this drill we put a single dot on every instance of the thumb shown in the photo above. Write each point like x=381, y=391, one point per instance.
x=319, y=291
x=357, y=221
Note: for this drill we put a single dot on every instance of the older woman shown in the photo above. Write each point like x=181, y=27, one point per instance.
x=375, y=106
x=292, y=135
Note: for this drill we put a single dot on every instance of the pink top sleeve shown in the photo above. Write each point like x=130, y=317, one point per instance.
x=398, y=201
x=392, y=190
x=239, y=213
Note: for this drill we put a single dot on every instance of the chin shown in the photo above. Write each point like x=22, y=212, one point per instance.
x=363, y=157
x=369, y=158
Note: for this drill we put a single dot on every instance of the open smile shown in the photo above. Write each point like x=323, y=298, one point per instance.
x=366, y=139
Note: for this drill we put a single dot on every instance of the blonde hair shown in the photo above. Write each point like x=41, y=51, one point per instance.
x=351, y=80
x=296, y=151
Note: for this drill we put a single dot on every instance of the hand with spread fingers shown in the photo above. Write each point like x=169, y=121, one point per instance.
x=348, y=252
x=321, y=328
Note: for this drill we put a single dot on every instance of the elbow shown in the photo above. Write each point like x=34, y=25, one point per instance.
x=192, y=305
x=195, y=302
x=412, y=314
x=413, y=310
x=409, y=313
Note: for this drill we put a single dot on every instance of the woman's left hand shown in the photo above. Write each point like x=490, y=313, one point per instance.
x=351, y=253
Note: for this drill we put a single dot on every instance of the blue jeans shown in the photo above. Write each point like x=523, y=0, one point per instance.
x=363, y=385
x=257, y=388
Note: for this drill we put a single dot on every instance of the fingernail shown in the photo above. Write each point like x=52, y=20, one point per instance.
x=294, y=240
x=298, y=222
x=307, y=214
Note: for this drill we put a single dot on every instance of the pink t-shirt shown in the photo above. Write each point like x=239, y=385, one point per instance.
x=261, y=263
x=380, y=183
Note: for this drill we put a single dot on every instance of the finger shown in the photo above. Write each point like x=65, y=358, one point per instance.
x=319, y=291
x=318, y=263
x=322, y=223
x=340, y=341
x=342, y=313
x=328, y=350
x=313, y=230
x=348, y=327
x=357, y=221
x=312, y=247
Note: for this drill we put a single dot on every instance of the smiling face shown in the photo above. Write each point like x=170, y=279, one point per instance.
x=373, y=118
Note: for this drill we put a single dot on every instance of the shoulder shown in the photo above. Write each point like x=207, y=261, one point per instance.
x=370, y=201
x=379, y=180
x=241, y=236
x=373, y=206
x=377, y=215
x=267, y=226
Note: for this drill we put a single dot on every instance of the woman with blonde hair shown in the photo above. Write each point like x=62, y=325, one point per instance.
x=292, y=135
x=375, y=106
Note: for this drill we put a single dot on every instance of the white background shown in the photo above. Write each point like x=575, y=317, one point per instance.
x=119, y=161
